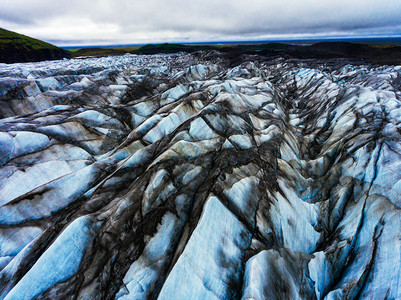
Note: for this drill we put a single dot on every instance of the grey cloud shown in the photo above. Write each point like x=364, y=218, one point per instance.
x=160, y=19
x=14, y=18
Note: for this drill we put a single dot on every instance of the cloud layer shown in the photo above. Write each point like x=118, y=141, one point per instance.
x=121, y=21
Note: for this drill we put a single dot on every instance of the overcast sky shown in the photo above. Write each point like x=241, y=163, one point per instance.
x=91, y=22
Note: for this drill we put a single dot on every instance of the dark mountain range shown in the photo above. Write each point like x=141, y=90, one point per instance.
x=369, y=53
x=321, y=50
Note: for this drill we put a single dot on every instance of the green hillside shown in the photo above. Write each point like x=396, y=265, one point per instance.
x=16, y=47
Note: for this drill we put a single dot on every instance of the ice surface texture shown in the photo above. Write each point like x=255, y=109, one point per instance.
x=184, y=177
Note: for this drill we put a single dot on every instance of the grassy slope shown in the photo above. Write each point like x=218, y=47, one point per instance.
x=97, y=52
x=16, y=47
x=18, y=41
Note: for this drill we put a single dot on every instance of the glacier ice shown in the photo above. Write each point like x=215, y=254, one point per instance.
x=200, y=176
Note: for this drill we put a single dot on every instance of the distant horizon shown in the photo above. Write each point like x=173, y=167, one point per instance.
x=365, y=39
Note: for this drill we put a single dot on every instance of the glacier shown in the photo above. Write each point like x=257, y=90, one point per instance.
x=193, y=176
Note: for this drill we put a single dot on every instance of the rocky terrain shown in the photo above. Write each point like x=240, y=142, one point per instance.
x=190, y=176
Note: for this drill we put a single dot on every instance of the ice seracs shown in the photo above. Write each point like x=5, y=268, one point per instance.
x=184, y=176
